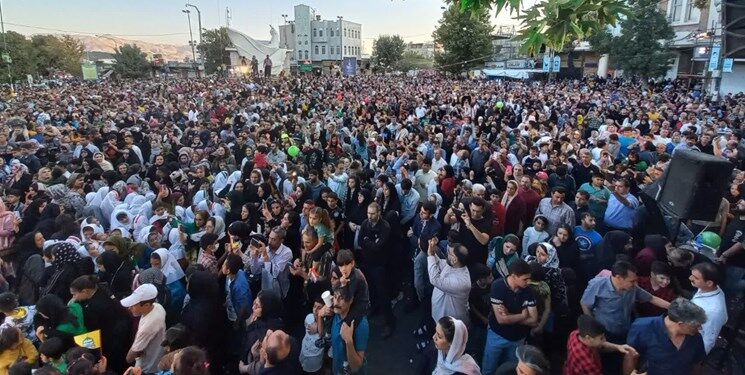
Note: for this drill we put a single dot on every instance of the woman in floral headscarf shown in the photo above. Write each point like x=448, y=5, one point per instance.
x=67, y=264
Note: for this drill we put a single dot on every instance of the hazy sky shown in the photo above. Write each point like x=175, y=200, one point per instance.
x=163, y=21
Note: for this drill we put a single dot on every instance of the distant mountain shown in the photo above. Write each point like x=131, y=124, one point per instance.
x=170, y=52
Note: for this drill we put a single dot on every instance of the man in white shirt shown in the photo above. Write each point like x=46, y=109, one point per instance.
x=709, y=297
x=146, y=349
x=451, y=281
x=438, y=161
x=422, y=178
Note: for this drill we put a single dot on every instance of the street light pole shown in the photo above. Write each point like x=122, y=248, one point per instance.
x=191, y=36
x=5, y=47
x=191, y=39
x=199, y=20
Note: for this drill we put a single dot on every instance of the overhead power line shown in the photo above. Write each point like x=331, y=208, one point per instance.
x=88, y=32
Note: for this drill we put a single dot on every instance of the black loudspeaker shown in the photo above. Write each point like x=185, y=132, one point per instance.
x=733, y=27
x=694, y=185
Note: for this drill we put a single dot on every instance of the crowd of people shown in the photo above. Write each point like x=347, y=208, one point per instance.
x=257, y=226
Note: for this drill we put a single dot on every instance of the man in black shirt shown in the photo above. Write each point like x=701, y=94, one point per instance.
x=473, y=228
x=583, y=170
x=374, y=238
x=513, y=313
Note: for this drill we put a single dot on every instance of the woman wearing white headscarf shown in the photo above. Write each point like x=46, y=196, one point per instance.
x=167, y=263
x=91, y=223
x=109, y=204
x=121, y=219
x=451, y=336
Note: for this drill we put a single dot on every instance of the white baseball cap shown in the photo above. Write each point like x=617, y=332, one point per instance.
x=145, y=292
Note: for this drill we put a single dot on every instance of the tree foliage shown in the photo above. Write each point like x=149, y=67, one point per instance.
x=131, y=62
x=212, y=49
x=465, y=38
x=387, y=51
x=413, y=61
x=41, y=55
x=554, y=23
x=54, y=53
x=642, y=49
x=22, y=56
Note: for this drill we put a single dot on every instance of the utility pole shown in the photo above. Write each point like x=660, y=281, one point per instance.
x=191, y=39
x=199, y=20
x=6, y=51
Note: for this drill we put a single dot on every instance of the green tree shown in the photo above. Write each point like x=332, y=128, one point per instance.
x=57, y=53
x=465, y=37
x=131, y=62
x=554, y=23
x=212, y=49
x=412, y=61
x=643, y=48
x=387, y=51
x=22, y=57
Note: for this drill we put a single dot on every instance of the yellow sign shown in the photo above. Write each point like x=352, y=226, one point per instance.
x=90, y=340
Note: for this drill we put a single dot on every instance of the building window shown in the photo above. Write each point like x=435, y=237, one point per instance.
x=331, y=33
x=338, y=50
x=320, y=33
x=299, y=55
x=345, y=32
x=676, y=10
x=306, y=55
x=323, y=50
x=306, y=42
x=693, y=14
x=345, y=50
x=316, y=50
x=315, y=33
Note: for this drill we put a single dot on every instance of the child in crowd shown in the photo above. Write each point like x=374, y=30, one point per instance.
x=584, y=345
x=535, y=234
x=14, y=346
x=320, y=221
x=311, y=353
x=51, y=351
x=21, y=317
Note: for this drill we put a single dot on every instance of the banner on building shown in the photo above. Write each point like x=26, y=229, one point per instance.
x=349, y=66
x=546, y=63
x=727, y=65
x=714, y=57
x=557, y=64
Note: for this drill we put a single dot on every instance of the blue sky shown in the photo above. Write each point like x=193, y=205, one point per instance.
x=162, y=20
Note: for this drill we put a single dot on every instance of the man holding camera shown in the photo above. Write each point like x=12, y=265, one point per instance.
x=271, y=260
x=472, y=227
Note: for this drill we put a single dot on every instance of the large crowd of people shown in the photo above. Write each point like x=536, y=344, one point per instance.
x=267, y=225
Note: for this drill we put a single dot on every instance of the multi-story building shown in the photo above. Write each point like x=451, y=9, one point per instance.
x=424, y=49
x=697, y=31
x=323, y=43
